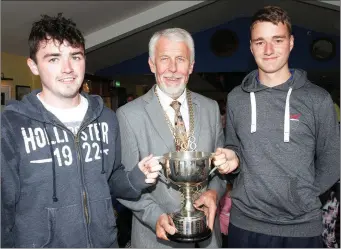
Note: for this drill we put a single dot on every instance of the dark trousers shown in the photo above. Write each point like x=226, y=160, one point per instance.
x=225, y=241
x=240, y=238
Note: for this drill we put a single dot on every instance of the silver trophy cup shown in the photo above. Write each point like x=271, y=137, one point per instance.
x=189, y=171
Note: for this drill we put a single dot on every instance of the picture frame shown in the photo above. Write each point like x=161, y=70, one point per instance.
x=6, y=93
x=21, y=91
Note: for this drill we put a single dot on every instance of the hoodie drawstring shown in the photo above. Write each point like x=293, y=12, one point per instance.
x=286, y=115
x=54, y=196
x=253, y=112
x=101, y=142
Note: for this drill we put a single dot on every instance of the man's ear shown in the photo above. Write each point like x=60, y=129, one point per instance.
x=191, y=67
x=251, y=47
x=33, y=66
x=291, y=42
x=151, y=65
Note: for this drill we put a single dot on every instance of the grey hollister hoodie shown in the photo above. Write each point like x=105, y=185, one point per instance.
x=56, y=187
x=288, y=141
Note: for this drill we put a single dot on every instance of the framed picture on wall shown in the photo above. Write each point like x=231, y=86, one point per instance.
x=5, y=94
x=21, y=91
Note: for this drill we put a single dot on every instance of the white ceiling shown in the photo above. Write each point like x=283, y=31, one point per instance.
x=119, y=30
x=98, y=20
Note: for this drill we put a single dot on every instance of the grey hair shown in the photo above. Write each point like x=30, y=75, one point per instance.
x=173, y=34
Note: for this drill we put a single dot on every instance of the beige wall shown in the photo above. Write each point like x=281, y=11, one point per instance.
x=15, y=67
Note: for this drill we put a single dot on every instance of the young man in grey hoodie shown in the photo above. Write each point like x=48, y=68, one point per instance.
x=285, y=133
x=61, y=152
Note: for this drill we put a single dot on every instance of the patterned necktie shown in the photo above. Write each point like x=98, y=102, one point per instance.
x=179, y=127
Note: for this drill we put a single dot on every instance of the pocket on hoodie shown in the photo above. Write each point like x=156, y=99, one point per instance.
x=103, y=231
x=273, y=197
x=65, y=227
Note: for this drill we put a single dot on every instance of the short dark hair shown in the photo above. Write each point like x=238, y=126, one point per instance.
x=57, y=29
x=273, y=14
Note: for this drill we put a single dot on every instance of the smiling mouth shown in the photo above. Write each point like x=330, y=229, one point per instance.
x=172, y=79
x=66, y=80
x=268, y=59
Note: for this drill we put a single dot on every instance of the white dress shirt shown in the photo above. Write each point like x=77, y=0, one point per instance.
x=165, y=101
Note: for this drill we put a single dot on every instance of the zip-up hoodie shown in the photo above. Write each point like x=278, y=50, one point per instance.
x=56, y=187
x=288, y=141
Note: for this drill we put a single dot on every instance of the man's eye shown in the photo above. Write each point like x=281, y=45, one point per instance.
x=53, y=60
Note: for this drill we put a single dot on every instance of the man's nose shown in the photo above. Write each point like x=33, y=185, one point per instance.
x=268, y=49
x=172, y=66
x=67, y=66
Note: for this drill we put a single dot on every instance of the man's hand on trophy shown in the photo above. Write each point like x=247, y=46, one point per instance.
x=207, y=203
x=165, y=225
x=226, y=160
x=150, y=168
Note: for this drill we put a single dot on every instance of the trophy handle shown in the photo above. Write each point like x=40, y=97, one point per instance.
x=162, y=160
x=212, y=171
x=215, y=168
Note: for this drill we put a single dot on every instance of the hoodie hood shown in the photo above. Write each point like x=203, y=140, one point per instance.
x=31, y=107
x=297, y=80
x=252, y=85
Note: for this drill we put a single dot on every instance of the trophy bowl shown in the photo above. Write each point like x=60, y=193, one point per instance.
x=187, y=167
x=189, y=170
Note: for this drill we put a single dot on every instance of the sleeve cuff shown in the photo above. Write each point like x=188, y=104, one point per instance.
x=154, y=218
x=137, y=179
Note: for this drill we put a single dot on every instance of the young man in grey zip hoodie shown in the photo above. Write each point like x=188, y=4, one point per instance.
x=61, y=153
x=285, y=133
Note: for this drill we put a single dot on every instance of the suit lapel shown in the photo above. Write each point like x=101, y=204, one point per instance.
x=197, y=118
x=157, y=117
